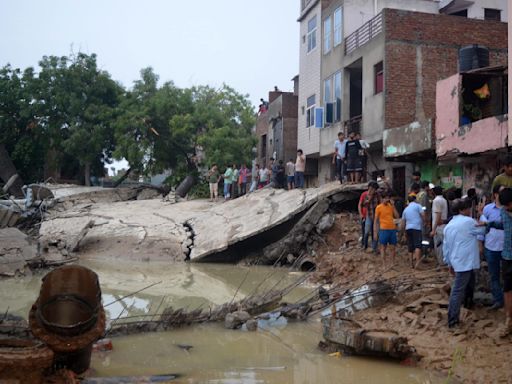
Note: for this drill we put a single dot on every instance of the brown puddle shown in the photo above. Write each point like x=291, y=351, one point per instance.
x=282, y=353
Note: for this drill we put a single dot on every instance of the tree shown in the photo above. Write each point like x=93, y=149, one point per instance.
x=80, y=103
x=21, y=136
x=169, y=127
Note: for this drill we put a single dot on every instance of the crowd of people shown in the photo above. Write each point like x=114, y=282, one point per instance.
x=240, y=181
x=460, y=230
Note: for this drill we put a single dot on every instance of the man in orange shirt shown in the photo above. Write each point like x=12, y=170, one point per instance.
x=384, y=225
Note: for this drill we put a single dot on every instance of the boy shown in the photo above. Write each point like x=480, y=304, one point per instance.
x=385, y=215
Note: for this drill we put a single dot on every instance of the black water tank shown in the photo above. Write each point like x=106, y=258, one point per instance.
x=473, y=57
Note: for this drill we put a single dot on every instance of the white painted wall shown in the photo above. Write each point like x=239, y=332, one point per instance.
x=308, y=139
x=476, y=11
x=358, y=12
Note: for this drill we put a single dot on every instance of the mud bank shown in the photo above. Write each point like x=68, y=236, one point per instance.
x=418, y=310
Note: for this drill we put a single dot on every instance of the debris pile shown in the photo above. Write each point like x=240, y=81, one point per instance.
x=417, y=310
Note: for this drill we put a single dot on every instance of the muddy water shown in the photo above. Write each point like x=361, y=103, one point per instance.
x=278, y=353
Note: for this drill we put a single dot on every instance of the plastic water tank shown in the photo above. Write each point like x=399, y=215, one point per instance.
x=473, y=57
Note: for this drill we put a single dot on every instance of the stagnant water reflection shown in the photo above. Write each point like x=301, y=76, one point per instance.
x=282, y=353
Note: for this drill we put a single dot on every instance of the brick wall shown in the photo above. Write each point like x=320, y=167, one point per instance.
x=423, y=48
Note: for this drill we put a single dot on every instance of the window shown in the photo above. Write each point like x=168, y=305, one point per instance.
x=492, y=14
x=337, y=96
x=327, y=90
x=312, y=34
x=332, y=98
x=338, y=30
x=327, y=35
x=310, y=111
x=379, y=77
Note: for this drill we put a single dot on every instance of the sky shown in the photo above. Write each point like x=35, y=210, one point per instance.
x=250, y=45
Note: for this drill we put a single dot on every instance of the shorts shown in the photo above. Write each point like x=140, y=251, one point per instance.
x=291, y=179
x=387, y=237
x=414, y=239
x=214, y=188
x=354, y=164
x=506, y=273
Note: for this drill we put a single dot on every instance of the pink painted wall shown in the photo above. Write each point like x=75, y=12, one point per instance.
x=480, y=136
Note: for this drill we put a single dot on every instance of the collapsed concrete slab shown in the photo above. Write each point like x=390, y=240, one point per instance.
x=197, y=230
x=15, y=251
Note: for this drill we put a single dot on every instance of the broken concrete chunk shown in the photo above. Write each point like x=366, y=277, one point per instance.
x=236, y=319
x=15, y=250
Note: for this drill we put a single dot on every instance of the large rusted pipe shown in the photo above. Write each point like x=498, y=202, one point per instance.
x=68, y=315
x=24, y=361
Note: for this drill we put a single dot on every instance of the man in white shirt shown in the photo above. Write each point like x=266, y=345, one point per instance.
x=439, y=217
x=338, y=157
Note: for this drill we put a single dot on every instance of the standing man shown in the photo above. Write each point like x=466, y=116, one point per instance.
x=338, y=157
x=290, y=174
x=300, y=168
x=255, y=177
x=234, y=182
x=506, y=256
x=363, y=213
x=460, y=250
x=228, y=180
x=505, y=178
x=354, y=161
x=213, y=180
x=439, y=217
x=370, y=202
x=493, y=246
x=412, y=221
x=263, y=174
x=242, y=179
x=364, y=155
x=385, y=215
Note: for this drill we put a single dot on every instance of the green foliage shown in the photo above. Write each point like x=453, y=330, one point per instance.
x=70, y=110
x=169, y=127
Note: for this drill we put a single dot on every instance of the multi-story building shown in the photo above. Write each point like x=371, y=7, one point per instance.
x=276, y=129
x=377, y=64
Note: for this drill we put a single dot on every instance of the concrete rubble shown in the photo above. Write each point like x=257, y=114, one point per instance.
x=16, y=251
x=197, y=230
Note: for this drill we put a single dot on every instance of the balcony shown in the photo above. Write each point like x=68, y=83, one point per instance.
x=409, y=141
x=472, y=113
x=364, y=34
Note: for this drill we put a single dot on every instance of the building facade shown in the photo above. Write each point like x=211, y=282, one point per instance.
x=378, y=68
x=276, y=128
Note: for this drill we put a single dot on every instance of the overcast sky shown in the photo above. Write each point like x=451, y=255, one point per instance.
x=247, y=44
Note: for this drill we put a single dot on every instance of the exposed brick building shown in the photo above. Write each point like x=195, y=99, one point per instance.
x=420, y=50
x=276, y=129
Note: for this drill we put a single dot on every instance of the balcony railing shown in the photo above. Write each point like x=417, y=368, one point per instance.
x=353, y=124
x=364, y=34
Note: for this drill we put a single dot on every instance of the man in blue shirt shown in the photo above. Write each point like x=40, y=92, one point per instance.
x=338, y=157
x=461, y=254
x=412, y=220
x=506, y=256
x=493, y=246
